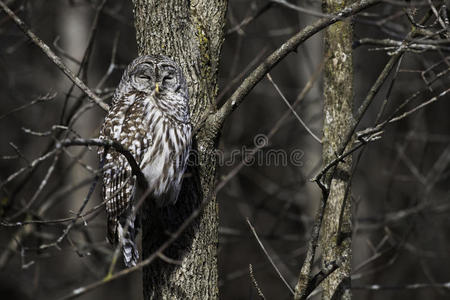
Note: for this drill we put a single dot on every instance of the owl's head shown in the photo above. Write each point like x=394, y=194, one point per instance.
x=156, y=74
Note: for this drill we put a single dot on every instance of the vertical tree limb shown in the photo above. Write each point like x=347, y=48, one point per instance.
x=191, y=33
x=335, y=240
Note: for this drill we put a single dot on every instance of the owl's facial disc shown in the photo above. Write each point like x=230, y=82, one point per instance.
x=143, y=78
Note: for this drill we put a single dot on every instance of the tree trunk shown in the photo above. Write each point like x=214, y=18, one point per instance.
x=336, y=231
x=191, y=33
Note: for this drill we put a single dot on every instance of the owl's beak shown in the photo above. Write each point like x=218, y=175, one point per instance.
x=157, y=88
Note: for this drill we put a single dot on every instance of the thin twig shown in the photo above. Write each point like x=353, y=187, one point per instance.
x=83, y=290
x=273, y=59
x=39, y=99
x=82, y=71
x=80, y=211
x=255, y=283
x=53, y=57
x=412, y=286
x=340, y=158
x=108, y=144
x=249, y=19
x=368, y=100
x=268, y=257
x=396, y=56
x=40, y=188
x=299, y=8
x=318, y=278
x=292, y=109
x=308, y=86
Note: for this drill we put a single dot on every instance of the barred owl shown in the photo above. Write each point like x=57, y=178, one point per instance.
x=149, y=117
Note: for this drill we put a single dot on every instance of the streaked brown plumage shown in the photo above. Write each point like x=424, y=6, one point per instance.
x=149, y=116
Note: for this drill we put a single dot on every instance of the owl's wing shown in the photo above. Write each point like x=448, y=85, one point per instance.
x=119, y=184
x=118, y=190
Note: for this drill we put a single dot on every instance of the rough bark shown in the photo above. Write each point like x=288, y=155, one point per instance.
x=191, y=33
x=336, y=228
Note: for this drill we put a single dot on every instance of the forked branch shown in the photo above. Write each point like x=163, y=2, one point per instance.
x=289, y=46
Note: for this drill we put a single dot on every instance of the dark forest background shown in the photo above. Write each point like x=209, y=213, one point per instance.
x=400, y=182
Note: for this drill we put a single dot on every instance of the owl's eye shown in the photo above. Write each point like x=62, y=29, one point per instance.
x=144, y=77
x=168, y=79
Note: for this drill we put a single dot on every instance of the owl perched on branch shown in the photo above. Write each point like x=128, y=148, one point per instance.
x=149, y=117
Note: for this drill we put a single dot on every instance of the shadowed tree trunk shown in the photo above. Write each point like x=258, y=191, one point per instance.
x=336, y=228
x=191, y=33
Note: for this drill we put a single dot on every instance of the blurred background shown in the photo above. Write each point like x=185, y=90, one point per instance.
x=400, y=182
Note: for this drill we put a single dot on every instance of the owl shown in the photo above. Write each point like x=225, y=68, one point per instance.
x=149, y=117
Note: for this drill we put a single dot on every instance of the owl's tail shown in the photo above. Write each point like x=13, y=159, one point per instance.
x=126, y=233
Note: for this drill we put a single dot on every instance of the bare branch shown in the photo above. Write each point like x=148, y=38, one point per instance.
x=226, y=178
x=317, y=279
x=109, y=144
x=41, y=187
x=39, y=99
x=292, y=109
x=291, y=45
x=304, y=278
x=255, y=283
x=53, y=57
x=83, y=290
x=249, y=19
x=299, y=8
x=269, y=258
x=412, y=286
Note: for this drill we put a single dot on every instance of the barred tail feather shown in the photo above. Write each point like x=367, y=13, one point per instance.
x=127, y=232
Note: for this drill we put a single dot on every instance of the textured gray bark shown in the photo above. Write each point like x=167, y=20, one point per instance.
x=336, y=230
x=190, y=32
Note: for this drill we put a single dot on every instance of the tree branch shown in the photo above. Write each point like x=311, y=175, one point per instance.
x=172, y=237
x=268, y=257
x=290, y=45
x=53, y=57
x=316, y=280
x=109, y=144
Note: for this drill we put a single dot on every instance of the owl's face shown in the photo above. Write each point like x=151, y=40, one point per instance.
x=158, y=75
x=160, y=80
